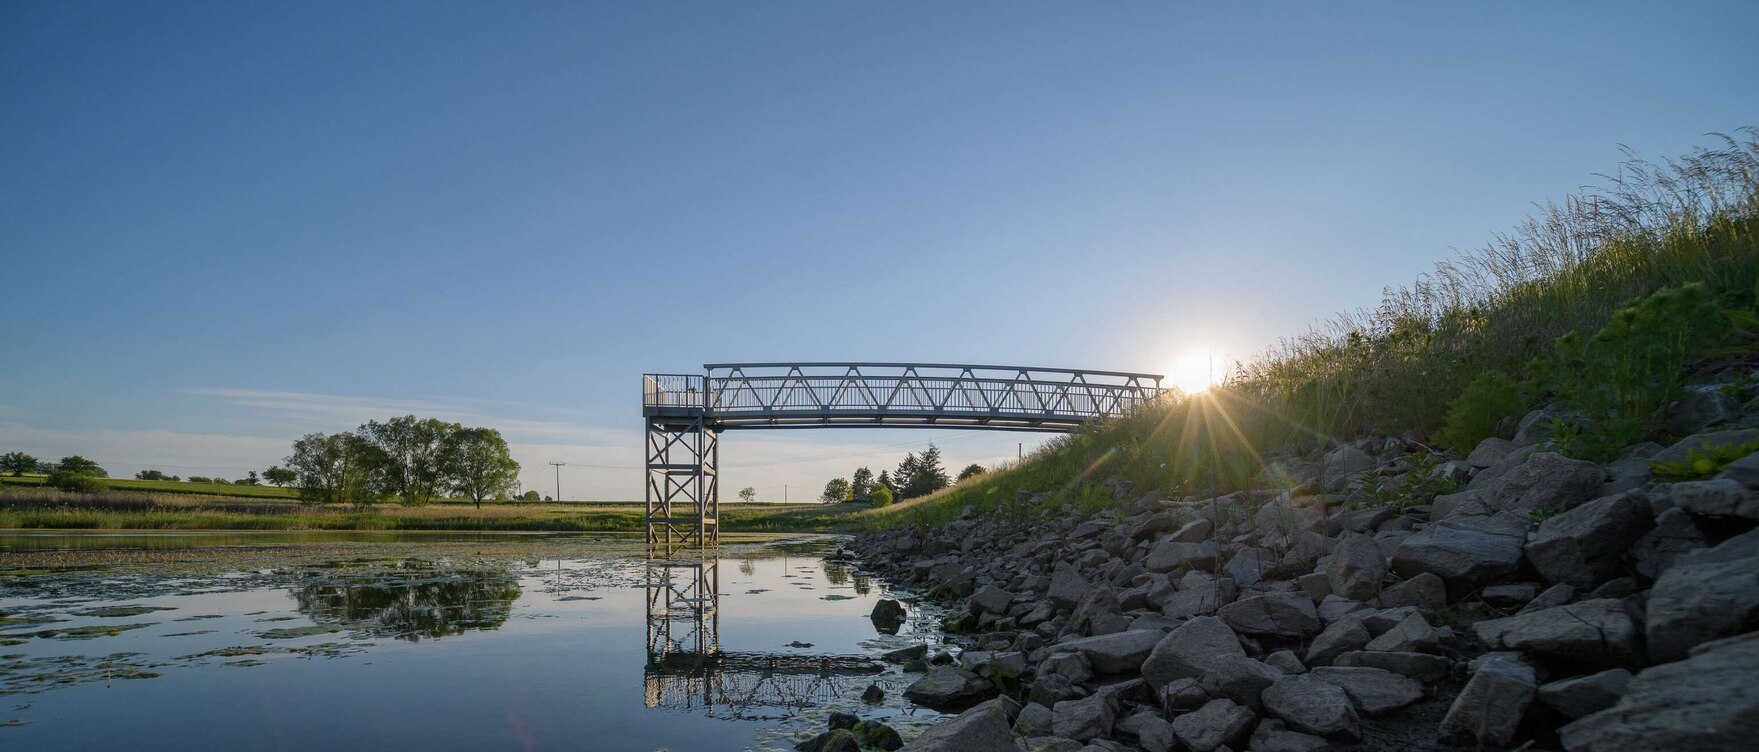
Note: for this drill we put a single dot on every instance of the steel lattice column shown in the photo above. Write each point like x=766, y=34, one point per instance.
x=683, y=487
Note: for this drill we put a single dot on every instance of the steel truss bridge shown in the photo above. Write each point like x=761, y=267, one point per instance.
x=686, y=667
x=686, y=414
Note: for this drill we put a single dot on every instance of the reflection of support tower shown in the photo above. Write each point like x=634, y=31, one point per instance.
x=683, y=626
x=686, y=668
x=683, y=454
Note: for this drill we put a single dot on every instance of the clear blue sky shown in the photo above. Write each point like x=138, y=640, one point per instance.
x=226, y=224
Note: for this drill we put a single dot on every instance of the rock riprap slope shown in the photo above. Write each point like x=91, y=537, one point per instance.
x=1547, y=603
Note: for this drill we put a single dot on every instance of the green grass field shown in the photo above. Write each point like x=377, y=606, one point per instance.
x=42, y=508
x=170, y=486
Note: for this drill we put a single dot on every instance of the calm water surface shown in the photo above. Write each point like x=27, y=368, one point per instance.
x=437, y=642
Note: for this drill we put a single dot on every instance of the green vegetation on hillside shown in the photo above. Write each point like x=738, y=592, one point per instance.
x=1603, y=303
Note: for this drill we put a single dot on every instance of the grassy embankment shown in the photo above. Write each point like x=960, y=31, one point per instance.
x=1604, y=303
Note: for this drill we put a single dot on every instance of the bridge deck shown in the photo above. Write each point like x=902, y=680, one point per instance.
x=870, y=395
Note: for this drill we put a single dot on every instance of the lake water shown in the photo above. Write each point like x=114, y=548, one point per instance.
x=245, y=641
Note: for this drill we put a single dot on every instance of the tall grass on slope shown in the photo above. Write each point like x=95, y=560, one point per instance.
x=1483, y=315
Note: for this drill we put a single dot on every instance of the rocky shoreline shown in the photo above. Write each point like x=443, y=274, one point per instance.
x=1547, y=603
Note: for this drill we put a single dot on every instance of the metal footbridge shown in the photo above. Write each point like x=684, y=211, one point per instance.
x=687, y=412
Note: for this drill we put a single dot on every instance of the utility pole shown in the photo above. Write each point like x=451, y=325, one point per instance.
x=1019, y=451
x=558, y=479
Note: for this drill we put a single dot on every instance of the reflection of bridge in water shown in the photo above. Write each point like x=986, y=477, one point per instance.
x=686, y=668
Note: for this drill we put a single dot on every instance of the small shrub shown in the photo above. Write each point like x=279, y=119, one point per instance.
x=1583, y=440
x=1489, y=406
x=68, y=481
x=881, y=497
x=1703, y=462
x=1630, y=370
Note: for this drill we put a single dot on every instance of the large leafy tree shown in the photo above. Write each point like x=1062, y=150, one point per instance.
x=17, y=463
x=836, y=491
x=477, y=466
x=748, y=494
x=411, y=452
x=861, y=483
x=77, y=465
x=280, y=476
x=335, y=468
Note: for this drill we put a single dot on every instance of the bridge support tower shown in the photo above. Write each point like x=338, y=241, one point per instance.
x=683, y=484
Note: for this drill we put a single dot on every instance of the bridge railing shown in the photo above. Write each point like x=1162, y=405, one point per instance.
x=805, y=394
x=679, y=390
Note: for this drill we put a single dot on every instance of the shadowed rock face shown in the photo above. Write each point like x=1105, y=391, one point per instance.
x=1269, y=620
x=1706, y=703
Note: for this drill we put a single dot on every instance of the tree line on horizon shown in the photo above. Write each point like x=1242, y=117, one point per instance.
x=413, y=460
x=916, y=475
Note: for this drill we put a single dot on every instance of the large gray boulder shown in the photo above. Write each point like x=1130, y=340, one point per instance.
x=1675, y=534
x=1154, y=733
x=1217, y=723
x=1707, y=594
x=1343, y=464
x=1578, y=696
x=1423, y=667
x=1587, y=545
x=1117, y=653
x=1067, y=587
x=1172, y=555
x=1597, y=632
x=1374, y=691
x=1412, y=634
x=1250, y=565
x=1199, y=594
x=1086, y=718
x=1744, y=471
x=1468, y=552
x=1718, y=497
x=1339, y=637
x=1489, y=452
x=1425, y=592
x=1547, y=480
x=1311, y=705
x=1190, y=650
x=1284, y=614
x=947, y=687
x=1490, y=707
x=1273, y=735
x=1242, y=680
x=1356, y=568
x=1706, y=703
x=1701, y=406
x=991, y=599
x=980, y=729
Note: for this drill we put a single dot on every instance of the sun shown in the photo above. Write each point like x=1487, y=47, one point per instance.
x=1192, y=373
